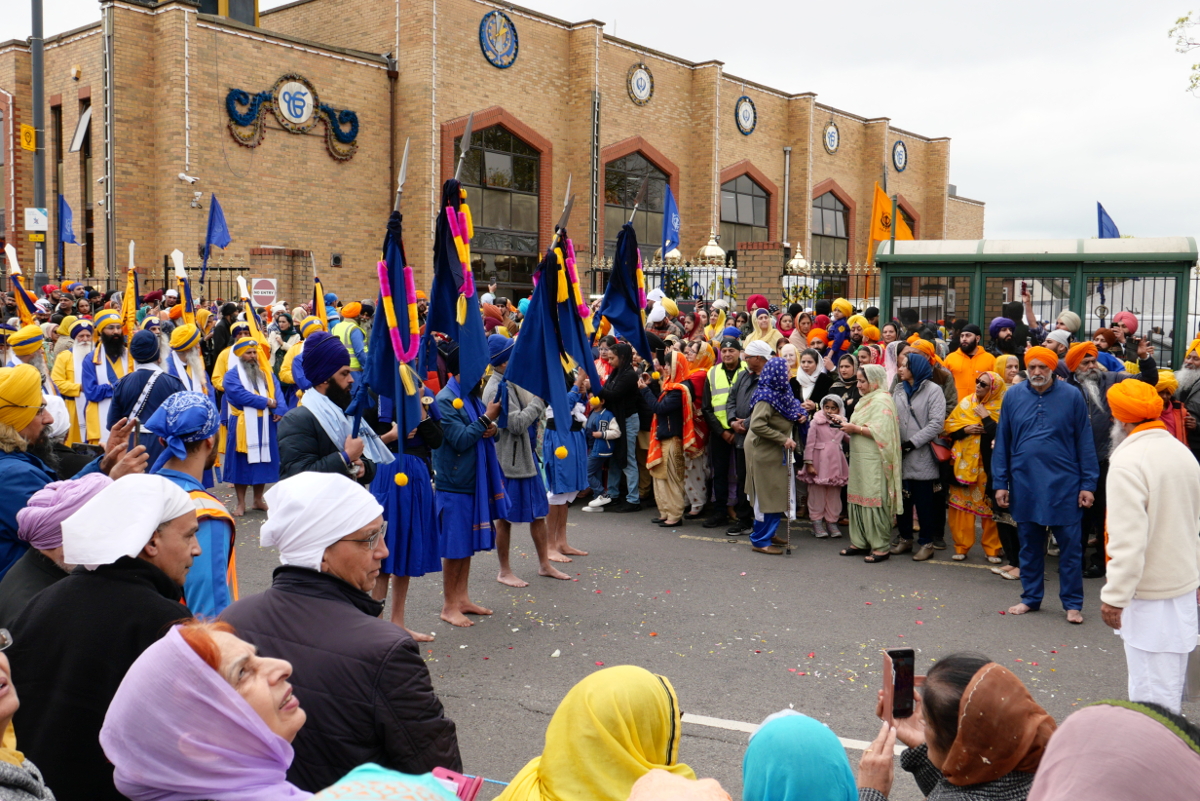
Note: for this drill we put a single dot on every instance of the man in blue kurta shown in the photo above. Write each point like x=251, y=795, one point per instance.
x=187, y=425
x=110, y=362
x=1045, y=471
x=139, y=394
x=256, y=404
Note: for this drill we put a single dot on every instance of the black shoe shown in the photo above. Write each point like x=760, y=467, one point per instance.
x=696, y=516
x=716, y=521
x=1095, y=571
x=939, y=545
x=625, y=506
x=657, y=519
x=739, y=529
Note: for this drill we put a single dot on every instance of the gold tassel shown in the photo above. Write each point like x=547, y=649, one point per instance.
x=407, y=380
x=462, y=309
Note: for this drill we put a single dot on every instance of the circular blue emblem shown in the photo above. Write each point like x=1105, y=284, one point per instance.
x=832, y=138
x=746, y=115
x=899, y=155
x=498, y=39
x=640, y=84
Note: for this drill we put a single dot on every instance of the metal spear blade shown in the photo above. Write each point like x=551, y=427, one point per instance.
x=180, y=267
x=567, y=196
x=403, y=175
x=641, y=197
x=131, y=246
x=10, y=253
x=466, y=144
x=566, y=215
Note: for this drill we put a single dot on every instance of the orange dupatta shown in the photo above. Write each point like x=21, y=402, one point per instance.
x=692, y=447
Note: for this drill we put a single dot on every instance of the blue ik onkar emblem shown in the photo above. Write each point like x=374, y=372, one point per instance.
x=296, y=102
x=498, y=39
x=746, y=115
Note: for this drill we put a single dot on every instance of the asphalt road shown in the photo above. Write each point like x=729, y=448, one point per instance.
x=739, y=634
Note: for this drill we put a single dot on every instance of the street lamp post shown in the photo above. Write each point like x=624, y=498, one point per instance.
x=37, y=62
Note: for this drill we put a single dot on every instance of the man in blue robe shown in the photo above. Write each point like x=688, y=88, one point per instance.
x=139, y=394
x=256, y=405
x=1045, y=470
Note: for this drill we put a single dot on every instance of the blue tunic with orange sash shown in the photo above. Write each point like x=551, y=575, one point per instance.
x=211, y=583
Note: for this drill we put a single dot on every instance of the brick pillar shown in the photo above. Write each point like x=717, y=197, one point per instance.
x=289, y=267
x=759, y=271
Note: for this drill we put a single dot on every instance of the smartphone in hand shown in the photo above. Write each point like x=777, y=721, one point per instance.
x=135, y=436
x=899, y=681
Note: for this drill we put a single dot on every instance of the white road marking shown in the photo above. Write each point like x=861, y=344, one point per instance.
x=750, y=728
x=746, y=541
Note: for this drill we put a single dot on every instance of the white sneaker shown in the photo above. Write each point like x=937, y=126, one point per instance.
x=819, y=529
x=834, y=531
x=597, y=502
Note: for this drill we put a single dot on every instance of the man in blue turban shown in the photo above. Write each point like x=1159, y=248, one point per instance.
x=186, y=426
x=139, y=394
x=1000, y=330
x=317, y=435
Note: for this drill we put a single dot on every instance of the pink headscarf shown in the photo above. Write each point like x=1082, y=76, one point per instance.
x=40, y=522
x=1113, y=753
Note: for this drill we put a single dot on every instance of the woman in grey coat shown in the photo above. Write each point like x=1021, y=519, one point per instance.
x=921, y=413
x=20, y=780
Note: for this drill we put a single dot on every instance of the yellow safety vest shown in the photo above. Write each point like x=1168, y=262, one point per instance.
x=342, y=331
x=718, y=386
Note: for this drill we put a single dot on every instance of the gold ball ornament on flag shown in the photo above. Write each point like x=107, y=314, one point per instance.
x=656, y=375
x=458, y=404
x=594, y=400
x=402, y=479
x=561, y=451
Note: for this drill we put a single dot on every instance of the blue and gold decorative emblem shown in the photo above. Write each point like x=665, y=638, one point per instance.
x=746, y=115
x=640, y=84
x=899, y=155
x=498, y=39
x=831, y=138
x=296, y=107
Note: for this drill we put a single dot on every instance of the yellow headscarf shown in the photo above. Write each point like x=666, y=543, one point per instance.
x=1002, y=364
x=1167, y=380
x=968, y=465
x=64, y=328
x=612, y=728
x=1195, y=346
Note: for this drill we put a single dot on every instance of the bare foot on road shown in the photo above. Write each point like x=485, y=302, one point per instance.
x=509, y=579
x=239, y=511
x=456, y=618
x=261, y=505
x=550, y=572
x=1074, y=616
x=475, y=609
x=555, y=556
x=573, y=551
x=421, y=636
x=1019, y=609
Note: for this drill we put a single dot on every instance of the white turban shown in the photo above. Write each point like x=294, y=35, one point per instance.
x=656, y=295
x=311, y=511
x=62, y=418
x=759, y=348
x=121, y=518
x=659, y=312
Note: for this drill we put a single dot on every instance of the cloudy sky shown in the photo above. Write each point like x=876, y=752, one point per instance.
x=1051, y=106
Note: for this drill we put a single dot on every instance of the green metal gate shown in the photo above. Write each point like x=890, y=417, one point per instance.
x=1154, y=278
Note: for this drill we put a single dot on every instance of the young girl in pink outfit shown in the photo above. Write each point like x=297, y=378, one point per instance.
x=825, y=468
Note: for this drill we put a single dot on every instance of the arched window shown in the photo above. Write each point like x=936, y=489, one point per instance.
x=908, y=219
x=501, y=176
x=830, y=240
x=743, y=212
x=622, y=180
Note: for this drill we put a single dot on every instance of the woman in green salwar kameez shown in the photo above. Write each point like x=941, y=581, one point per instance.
x=875, y=479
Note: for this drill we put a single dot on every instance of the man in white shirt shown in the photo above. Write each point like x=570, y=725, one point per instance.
x=1153, y=575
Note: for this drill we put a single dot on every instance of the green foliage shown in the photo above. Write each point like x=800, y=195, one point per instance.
x=1185, y=42
x=677, y=283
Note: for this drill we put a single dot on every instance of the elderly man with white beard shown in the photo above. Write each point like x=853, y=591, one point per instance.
x=1094, y=381
x=1188, y=394
x=26, y=348
x=68, y=378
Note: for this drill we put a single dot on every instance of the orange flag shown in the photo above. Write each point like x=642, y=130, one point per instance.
x=881, y=222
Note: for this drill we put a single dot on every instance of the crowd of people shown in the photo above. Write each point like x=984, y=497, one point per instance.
x=144, y=675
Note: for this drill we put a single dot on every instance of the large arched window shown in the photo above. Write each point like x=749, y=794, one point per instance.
x=830, y=240
x=501, y=176
x=622, y=179
x=743, y=212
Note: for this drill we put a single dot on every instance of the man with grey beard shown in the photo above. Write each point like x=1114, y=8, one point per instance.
x=1189, y=394
x=1094, y=381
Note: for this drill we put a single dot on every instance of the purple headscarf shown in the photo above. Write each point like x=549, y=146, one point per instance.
x=176, y=731
x=40, y=522
x=774, y=388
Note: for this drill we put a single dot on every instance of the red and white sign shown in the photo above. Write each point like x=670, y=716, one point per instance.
x=263, y=291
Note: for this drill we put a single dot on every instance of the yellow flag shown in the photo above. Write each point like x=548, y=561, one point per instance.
x=881, y=222
x=129, y=307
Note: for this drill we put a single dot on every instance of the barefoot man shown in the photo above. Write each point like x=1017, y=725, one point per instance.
x=1045, y=471
x=522, y=479
x=470, y=491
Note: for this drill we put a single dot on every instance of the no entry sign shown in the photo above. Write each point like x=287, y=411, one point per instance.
x=263, y=291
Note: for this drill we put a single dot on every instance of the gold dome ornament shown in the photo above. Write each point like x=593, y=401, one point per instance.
x=402, y=479
x=673, y=256
x=797, y=265
x=561, y=451
x=711, y=253
x=457, y=404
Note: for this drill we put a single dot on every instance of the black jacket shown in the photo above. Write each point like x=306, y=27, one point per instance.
x=668, y=412
x=71, y=647
x=620, y=394
x=304, y=447
x=361, y=680
x=31, y=574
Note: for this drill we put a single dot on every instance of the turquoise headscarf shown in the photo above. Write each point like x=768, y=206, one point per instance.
x=796, y=758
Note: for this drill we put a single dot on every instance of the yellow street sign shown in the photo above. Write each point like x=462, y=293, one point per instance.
x=37, y=237
x=28, y=138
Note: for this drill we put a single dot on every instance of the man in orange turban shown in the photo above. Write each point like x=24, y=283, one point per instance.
x=1155, y=567
x=1046, y=356
x=1078, y=352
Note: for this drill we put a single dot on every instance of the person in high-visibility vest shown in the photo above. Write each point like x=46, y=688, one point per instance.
x=717, y=407
x=352, y=335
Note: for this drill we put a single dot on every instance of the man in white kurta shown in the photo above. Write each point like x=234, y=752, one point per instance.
x=1150, y=595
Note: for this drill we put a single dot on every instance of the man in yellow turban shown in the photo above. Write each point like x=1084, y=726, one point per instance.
x=256, y=404
x=68, y=378
x=27, y=347
x=185, y=361
x=1188, y=393
x=291, y=372
x=1154, y=570
x=351, y=334
x=110, y=362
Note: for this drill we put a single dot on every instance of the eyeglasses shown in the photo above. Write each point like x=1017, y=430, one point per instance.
x=40, y=411
x=6, y=639
x=370, y=541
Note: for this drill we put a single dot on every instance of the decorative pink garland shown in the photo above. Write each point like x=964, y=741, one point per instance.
x=582, y=308
x=458, y=227
x=403, y=353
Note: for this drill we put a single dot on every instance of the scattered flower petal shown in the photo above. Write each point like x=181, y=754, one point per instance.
x=654, y=634
x=599, y=664
x=811, y=654
x=557, y=653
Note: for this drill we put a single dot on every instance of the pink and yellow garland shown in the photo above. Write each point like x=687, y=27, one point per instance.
x=463, y=228
x=405, y=352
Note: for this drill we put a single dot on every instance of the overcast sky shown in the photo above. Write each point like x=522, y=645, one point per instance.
x=1050, y=106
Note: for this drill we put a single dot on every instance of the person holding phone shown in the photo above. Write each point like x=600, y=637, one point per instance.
x=974, y=732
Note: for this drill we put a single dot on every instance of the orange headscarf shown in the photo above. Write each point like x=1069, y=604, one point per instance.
x=1077, y=352
x=676, y=376
x=1043, y=355
x=924, y=346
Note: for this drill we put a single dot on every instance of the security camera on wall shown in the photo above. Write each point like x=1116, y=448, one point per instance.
x=335, y=260
x=183, y=176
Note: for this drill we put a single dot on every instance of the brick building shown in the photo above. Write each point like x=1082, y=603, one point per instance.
x=296, y=119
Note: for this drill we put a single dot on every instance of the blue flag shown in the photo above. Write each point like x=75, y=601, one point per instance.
x=66, y=222
x=622, y=303
x=218, y=234
x=1108, y=228
x=670, y=232
x=443, y=303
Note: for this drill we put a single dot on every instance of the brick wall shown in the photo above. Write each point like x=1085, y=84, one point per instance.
x=964, y=219
x=760, y=267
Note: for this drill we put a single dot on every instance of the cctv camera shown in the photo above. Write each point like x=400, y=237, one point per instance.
x=183, y=176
